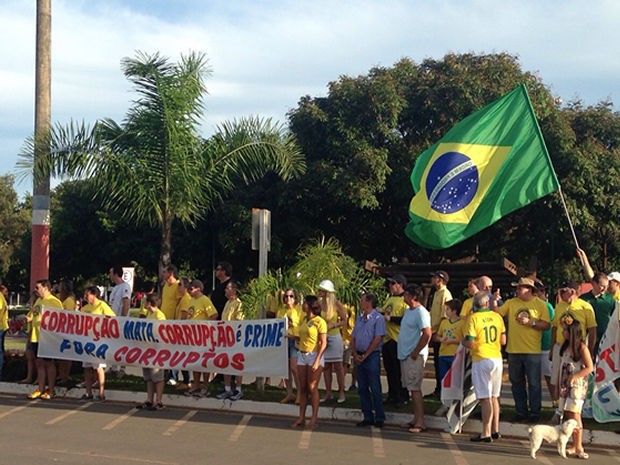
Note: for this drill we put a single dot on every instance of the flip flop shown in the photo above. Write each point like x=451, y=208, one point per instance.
x=409, y=424
x=417, y=429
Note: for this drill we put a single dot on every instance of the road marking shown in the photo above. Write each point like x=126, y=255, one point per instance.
x=170, y=431
x=240, y=428
x=119, y=458
x=457, y=454
x=304, y=440
x=17, y=409
x=120, y=419
x=68, y=414
x=377, y=443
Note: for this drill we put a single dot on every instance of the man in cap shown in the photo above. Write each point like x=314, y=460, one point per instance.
x=527, y=317
x=393, y=309
x=614, y=284
x=439, y=280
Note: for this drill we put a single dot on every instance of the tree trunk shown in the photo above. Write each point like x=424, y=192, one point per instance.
x=39, y=257
x=165, y=253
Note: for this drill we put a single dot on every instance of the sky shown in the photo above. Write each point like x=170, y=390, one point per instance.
x=267, y=54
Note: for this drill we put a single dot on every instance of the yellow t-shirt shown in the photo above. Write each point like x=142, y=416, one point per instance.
x=451, y=330
x=182, y=306
x=394, y=305
x=295, y=316
x=69, y=303
x=437, y=307
x=155, y=314
x=467, y=307
x=485, y=327
x=309, y=334
x=201, y=308
x=523, y=339
x=4, y=313
x=35, y=313
x=233, y=311
x=99, y=308
x=581, y=311
x=169, y=299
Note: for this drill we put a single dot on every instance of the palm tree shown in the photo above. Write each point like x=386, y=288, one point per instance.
x=155, y=167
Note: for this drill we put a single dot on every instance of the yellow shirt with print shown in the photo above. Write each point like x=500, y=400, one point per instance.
x=99, y=308
x=451, y=330
x=169, y=299
x=233, y=311
x=522, y=339
x=581, y=311
x=394, y=305
x=35, y=313
x=485, y=328
x=4, y=313
x=182, y=306
x=309, y=334
x=201, y=308
x=437, y=307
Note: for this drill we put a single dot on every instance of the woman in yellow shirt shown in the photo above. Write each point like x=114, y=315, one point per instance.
x=310, y=362
x=67, y=297
x=294, y=314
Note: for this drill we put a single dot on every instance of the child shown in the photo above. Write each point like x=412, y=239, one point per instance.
x=576, y=364
x=449, y=336
x=154, y=377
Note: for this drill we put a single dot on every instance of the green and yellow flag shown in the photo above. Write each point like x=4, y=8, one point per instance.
x=488, y=165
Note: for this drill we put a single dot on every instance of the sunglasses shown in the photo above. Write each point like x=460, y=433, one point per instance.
x=289, y=296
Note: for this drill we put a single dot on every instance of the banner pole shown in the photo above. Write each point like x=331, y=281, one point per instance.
x=570, y=223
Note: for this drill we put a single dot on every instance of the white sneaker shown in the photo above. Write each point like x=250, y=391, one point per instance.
x=171, y=382
x=236, y=395
x=224, y=395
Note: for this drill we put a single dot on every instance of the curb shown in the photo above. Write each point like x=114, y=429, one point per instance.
x=511, y=430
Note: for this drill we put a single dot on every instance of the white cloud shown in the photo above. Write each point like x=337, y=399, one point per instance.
x=267, y=54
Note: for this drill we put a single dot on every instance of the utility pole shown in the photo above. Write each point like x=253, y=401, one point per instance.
x=39, y=257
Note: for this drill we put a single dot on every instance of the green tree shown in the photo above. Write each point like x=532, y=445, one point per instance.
x=15, y=220
x=154, y=168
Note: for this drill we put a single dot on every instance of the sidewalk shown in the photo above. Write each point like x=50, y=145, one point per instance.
x=334, y=413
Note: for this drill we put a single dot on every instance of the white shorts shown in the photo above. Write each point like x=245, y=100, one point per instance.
x=545, y=364
x=308, y=358
x=335, y=349
x=486, y=376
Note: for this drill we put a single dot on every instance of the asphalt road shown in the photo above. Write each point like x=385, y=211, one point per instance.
x=68, y=432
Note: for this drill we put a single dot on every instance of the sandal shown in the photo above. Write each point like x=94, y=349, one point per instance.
x=417, y=429
x=409, y=424
x=582, y=455
x=145, y=406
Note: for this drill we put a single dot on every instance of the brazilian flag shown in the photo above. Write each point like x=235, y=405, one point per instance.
x=488, y=165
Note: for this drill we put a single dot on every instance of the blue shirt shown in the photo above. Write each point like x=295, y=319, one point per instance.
x=368, y=327
x=411, y=326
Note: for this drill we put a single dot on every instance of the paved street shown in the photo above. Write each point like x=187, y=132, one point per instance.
x=64, y=431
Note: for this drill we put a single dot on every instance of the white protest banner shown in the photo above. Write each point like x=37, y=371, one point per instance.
x=605, y=397
x=252, y=347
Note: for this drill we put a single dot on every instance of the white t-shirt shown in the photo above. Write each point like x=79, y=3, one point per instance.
x=117, y=294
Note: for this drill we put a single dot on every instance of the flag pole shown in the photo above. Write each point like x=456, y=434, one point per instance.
x=570, y=223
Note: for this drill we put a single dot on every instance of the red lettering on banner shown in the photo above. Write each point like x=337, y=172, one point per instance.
x=132, y=355
x=88, y=325
x=192, y=357
x=186, y=336
x=161, y=330
x=177, y=357
x=62, y=322
x=238, y=361
x=221, y=361
x=146, y=356
x=206, y=357
x=605, y=357
x=120, y=352
x=161, y=358
x=70, y=323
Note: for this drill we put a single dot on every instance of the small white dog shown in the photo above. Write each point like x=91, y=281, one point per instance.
x=560, y=434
